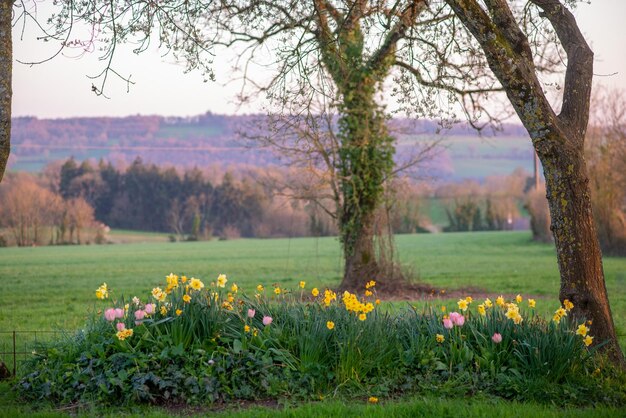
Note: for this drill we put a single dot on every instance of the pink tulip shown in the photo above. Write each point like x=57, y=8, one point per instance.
x=120, y=326
x=497, y=338
x=457, y=319
x=447, y=323
x=267, y=320
x=119, y=313
x=109, y=314
x=150, y=308
x=139, y=314
x=251, y=313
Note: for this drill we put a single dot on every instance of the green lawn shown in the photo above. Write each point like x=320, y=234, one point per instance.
x=427, y=406
x=47, y=288
x=50, y=287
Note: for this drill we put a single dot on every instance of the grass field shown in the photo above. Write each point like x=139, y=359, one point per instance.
x=48, y=288
x=428, y=406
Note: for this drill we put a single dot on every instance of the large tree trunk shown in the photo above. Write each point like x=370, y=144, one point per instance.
x=360, y=263
x=559, y=142
x=6, y=64
x=577, y=246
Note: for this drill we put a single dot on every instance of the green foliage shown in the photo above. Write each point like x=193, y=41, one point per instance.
x=209, y=345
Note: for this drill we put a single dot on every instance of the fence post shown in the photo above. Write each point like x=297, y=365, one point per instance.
x=14, y=356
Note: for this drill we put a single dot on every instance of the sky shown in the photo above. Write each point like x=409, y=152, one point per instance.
x=60, y=88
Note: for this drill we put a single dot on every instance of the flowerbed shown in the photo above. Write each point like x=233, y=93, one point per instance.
x=191, y=343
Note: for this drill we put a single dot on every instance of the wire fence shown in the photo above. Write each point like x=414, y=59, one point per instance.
x=16, y=346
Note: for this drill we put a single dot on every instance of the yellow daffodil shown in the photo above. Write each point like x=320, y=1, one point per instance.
x=588, y=340
x=582, y=330
x=443, y=308
x=172, y=280
x=159, y=294
x=462, y=304
x=260, y=288
x=163, y=310
x=277, y=290
x=221, y=280
x=368, y=293
x=246, y=328
x=370, y=284
x=302, y=284
x=469, y=299
x=481, y=310
x=511, y=313
x=315, y=292
x=488, y=303
x=377, y=302
x=500, y=301
x=183, y=279
x=519, y=299
x=440, y=338
x=330, y=325
x=568, y=305
x=178, y=312
x=123, y=334
x=531, y=303
x=234, y=288
x=187, y=298
x=102, y=292
x=362, y=317
x=372, y=399
x=196, y=284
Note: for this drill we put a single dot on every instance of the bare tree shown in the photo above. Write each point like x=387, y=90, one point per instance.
x=605, y=151
x=81, y=215
x=27, y=208
x=557, y=136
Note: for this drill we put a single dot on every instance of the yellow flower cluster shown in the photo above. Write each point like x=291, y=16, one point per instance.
x=353, y=304
x=370, y=284
x=102, y=292
x=159, y=294
x=559, y=314
x=172, y=282
x=329, y=296
x=583, y=331
x=513, y=314
x=123, y=334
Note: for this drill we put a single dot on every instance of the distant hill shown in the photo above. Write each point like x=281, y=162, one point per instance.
x=215, y=140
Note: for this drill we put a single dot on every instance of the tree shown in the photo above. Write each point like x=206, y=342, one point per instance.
x=6, y=65
x=558, y=139
x=27, y=208
x=605, y=151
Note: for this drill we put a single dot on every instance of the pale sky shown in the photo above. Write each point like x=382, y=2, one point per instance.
x=60, y=88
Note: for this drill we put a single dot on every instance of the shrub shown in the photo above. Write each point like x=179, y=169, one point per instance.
x=191, y=343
